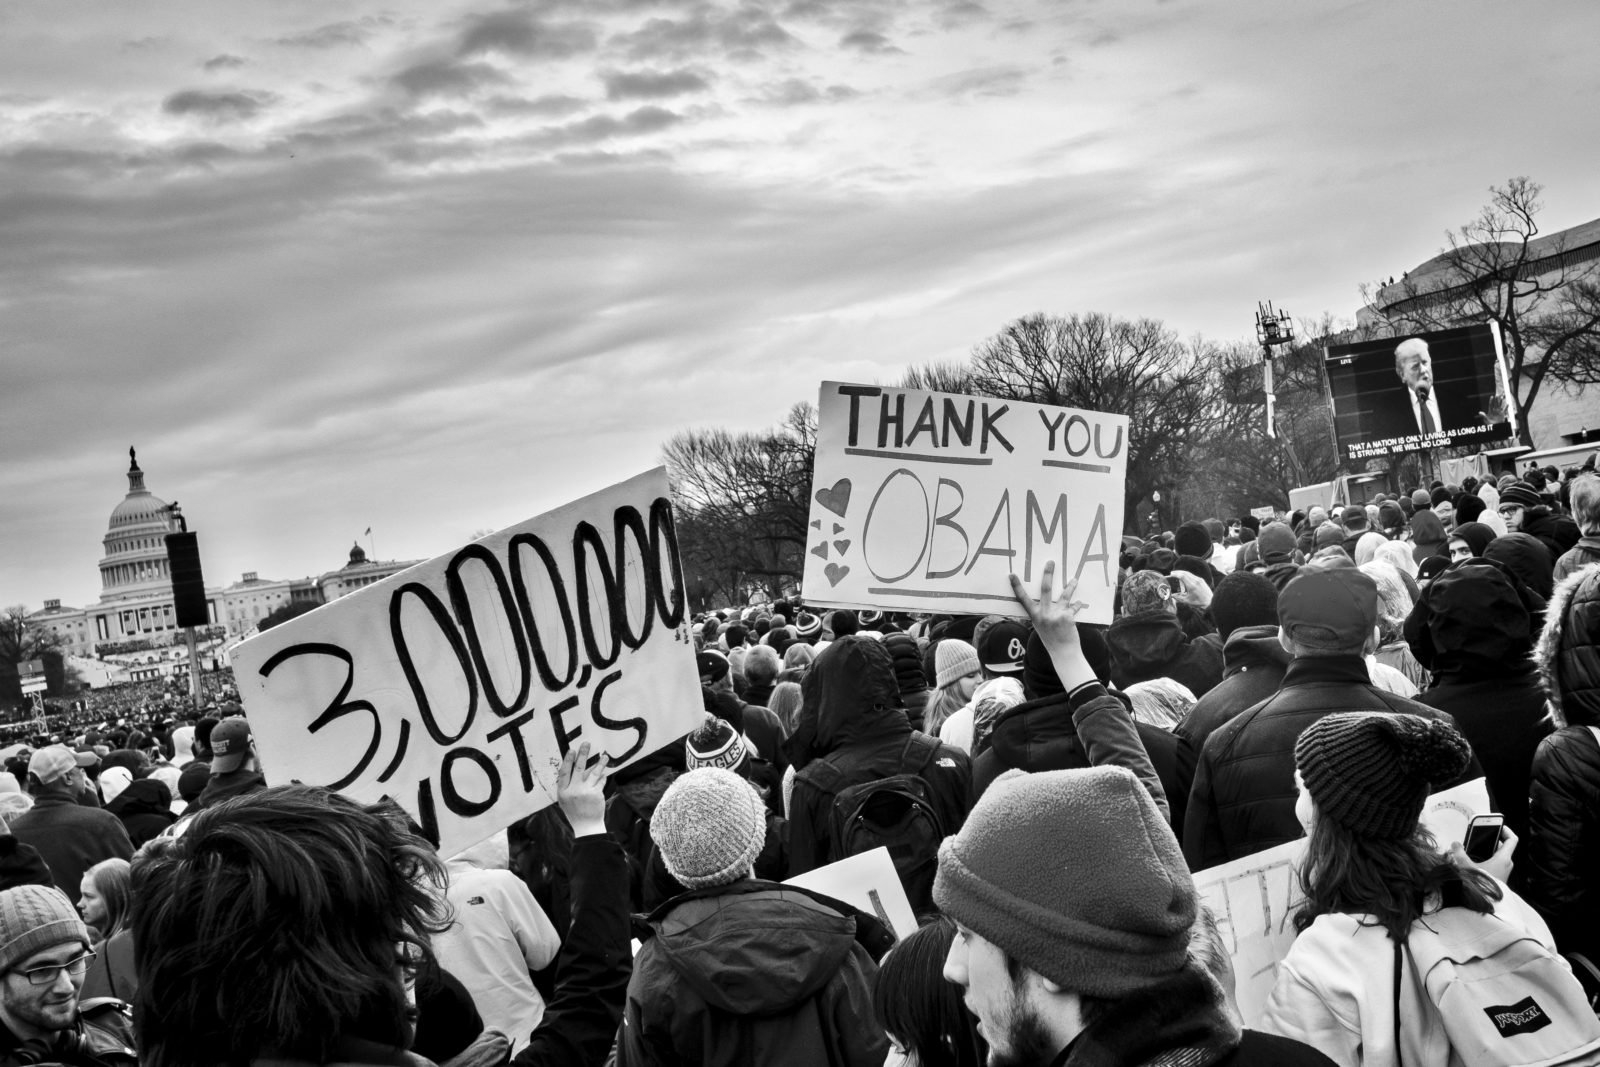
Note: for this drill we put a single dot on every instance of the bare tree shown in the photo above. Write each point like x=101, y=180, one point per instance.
x=19, y=643
x=742, y=504
x=1544, y=294
x=939, y=377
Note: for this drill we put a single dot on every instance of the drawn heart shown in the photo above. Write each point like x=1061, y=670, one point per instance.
x=816, y=524
x=821, y=551
x=835, y=573
x=841, y=547
x=837, y=529
x=836, y=499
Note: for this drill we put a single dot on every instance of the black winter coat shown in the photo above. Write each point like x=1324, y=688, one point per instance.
x=850, y=715
x=1152, y=644
x=1244, y=794
x=1253, y=664
x=1560, y=863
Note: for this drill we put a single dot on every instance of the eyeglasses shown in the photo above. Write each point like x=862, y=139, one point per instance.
x=48, y=974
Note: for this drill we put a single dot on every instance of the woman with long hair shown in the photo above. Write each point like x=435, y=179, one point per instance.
x=920, y=1011
x=104, y=897
x=1370, y=874
x=957, y=678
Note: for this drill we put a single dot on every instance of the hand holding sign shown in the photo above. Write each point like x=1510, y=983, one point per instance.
x=580, y=788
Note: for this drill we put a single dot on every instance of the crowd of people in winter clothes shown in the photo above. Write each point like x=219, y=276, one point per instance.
x=1047, y=790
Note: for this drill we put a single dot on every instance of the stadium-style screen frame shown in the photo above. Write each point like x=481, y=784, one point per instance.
x=1373, y=415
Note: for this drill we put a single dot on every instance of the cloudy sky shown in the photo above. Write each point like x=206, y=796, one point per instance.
x=434, y=267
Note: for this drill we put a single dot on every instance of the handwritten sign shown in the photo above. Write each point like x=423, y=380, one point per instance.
x=930, y=501
x=1254, y=898
x=456, y=686
x=869, y=882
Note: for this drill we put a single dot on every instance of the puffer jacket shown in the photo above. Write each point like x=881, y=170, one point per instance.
x=1253, y=664
x=1244, y=794
x=850, y=715
x=1152, y=644
x=755, y=972
x=1557, y=532
x=1561, y=856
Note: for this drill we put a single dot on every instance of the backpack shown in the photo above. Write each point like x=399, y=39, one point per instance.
x=1505, y=998
x=897, y=813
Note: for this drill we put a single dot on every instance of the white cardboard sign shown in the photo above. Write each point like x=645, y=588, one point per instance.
x=455, y=686
x=930, y=501
x=869, y=882
x=1254, y=898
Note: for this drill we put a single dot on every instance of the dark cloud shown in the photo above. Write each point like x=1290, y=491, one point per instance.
x=518, y=32
x=985, y=81
x=870, y=42
x=223, y=62
x=552, y=104
x=446, y=77
x=795, y=91
x=651, y=84
x=596, y=128
x=745, y=34
x=337, y=34
x=218, y=106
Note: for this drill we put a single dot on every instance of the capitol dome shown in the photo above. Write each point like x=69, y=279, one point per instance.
x=135, y=562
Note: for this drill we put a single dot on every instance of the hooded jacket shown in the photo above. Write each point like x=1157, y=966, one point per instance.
x=850, y=715
x=1428, y=537
x=1253, y=664
x=1480, y=639
x=1561, y=868
x=1579, y=556
x=1555, y=531
x=755, y=972
x=145, y=808
x=1152, y=644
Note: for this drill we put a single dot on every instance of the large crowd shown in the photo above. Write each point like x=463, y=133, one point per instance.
x=1047, y=791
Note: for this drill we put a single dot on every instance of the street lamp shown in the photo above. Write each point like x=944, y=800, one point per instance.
x=1273, y=328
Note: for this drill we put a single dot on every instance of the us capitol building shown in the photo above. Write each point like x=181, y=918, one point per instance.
x=136, y=607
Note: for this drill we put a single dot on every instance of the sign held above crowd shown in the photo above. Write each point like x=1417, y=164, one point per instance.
x=929, y=501
x=455, y=687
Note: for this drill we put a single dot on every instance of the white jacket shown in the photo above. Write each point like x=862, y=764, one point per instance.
x=1335, y=992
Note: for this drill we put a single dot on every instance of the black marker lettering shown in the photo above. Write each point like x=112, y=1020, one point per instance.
x=855, y=393
x=1081, y=423
x=1104, y=555
x=897, y=420
x=603, y=722
x=462, y=604
x=453, y=800
x=1058, y=522
x=953, y=423
x=1116, y=446
x=1001, y=509
x=541, y=659
x=1050, y=427
x=337, y=707
x=948, y=520
x=564, y=736
x=518, y=745
x=926, y=423
x=866, y=527
x=990, y=429
x=447, y=629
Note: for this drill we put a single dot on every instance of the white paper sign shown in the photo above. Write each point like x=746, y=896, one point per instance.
x=455, y=686
x=930, y=501
x=869, y=882
x=1254, y=898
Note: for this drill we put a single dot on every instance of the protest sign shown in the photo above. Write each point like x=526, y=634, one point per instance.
x=1264, y=513
x=869, y=882
x=930, y=501
x=455, y=687
x=1254, y=898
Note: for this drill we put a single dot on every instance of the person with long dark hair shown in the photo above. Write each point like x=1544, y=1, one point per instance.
x=922, y=1013
x=1372, y=871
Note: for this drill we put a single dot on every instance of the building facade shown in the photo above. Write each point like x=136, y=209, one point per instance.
x=136, y=611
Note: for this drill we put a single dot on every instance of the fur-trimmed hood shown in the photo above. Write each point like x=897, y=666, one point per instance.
x=1567, y=654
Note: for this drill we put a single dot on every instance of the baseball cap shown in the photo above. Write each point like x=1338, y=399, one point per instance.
x=713, y=666
x=53, y=761
x=1330, y=610
x=230, y=745
x=1003, y=647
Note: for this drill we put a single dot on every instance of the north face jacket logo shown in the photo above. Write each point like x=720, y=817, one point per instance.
x=1523, y=1017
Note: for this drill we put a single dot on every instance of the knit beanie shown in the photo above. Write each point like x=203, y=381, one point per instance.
x=1244, y=599
x=1441, y=495
x=1251, y=523
x=1520, y=493
x=715, y=744
x=1390, y=515
x=1468, y=507
x=35, y=917
x=1277, y=543
x=1328, y=535
x=1192, y=539
x=1162, y=560
x=808, y=627
x=1371, y=772
x=710, y=826
x=842, y=623
x=955, y=659
x=1074, y=874
x=1421, y=498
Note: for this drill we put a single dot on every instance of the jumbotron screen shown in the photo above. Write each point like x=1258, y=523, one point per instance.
x=1420, y=390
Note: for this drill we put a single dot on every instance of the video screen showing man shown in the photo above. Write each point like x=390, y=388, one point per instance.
x=1425, y=390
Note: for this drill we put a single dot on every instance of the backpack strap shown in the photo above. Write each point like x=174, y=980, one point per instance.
x=1398, y=1058
x=921, y=749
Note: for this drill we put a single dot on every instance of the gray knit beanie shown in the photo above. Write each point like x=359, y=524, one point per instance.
x=954, y=659
x=35, y=917
x=1074, y=874
x=710, y=826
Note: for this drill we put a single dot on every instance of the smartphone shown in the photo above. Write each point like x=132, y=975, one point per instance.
x=1174, y=583
x=1483, y=836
